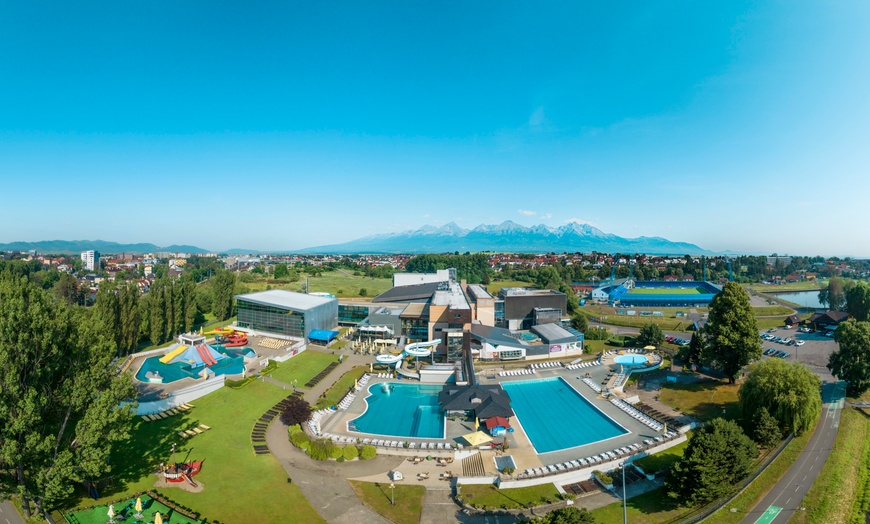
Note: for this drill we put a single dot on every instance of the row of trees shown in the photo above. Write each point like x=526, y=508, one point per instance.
x=60, y=398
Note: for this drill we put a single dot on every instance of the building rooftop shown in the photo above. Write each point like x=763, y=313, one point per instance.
x=524, y=291
x=415, y=293
x=451, y=297
x=478, y=292
x=553, y=332
x=285, y=299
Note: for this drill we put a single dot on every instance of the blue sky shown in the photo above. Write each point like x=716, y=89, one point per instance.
x=282, y=125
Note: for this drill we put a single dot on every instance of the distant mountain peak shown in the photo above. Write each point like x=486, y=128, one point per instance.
x=508, y=236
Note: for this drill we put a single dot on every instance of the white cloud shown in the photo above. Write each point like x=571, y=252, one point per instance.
x=526, y=213
x=546, y=216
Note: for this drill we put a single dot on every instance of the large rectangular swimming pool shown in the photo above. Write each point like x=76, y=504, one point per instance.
x=555, y=416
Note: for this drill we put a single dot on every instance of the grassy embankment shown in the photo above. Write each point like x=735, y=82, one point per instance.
x=333, y=282
x=488, y=497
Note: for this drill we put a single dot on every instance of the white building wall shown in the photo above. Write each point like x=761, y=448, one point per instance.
x=410, y=279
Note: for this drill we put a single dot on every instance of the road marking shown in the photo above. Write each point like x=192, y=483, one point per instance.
x=768, y=515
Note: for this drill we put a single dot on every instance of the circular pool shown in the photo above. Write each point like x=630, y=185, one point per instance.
x=630, y=360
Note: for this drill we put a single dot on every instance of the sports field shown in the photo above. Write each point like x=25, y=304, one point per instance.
x=693, y=290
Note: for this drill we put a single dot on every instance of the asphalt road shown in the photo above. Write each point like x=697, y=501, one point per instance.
x=787, y=496
x=8, y=514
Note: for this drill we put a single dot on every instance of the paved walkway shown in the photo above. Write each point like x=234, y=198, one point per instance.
x=9, y=514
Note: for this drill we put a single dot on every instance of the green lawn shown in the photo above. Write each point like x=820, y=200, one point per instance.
x=495, y=286
x=333, y=282
x=378, y=496
x=773, y=311
x=662, y=460
x=808, y=285
x=653, y=507
x=487, y=496
x=97, y=515
x=667, y=291
x=235, y=480
x=303, y=367
x=338, y=390
x=704, y=401
x=844, y=477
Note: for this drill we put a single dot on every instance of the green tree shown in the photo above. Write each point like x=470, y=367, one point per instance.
x=851, y=362
x=731, y=332
x=651, y=335
x=189, y=306
x=858, y=301
x=280, y=272
x=696, y=347
x=834, y=294
x=788, y=391
x=717, y=457
x=567, y=515
x=67, y=289
x=156, y=311
x=548, y=278
x=580, y=322
x=765, y=429
x=223, y=285
x=129, y=317
x=60, y=397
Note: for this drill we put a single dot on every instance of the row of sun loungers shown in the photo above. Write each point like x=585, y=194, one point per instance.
x=515, y=373
x=273, y=343
x=314, y=421
x=582, y=365
x=346, y=401
x=581, y=463
x=595, y=387
x=363, y=381
x=542, y=365
x=166, y=414
x=631, y=410
x=192, y=432
x=385, y=375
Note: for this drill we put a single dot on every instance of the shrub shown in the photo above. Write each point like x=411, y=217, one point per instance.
x=298, y=411
x=299, y=438
x=603, y=477
x=340, y=459
x=367, y=452
x=337, y=452
x=321, y=449
x=350, y=452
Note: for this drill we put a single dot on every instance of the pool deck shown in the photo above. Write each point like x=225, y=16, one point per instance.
x=519, y=445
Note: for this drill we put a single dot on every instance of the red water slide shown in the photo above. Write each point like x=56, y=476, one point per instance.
x=205, y=355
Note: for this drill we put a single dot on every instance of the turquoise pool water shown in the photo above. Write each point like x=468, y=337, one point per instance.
x=630, y=360
x=404, y=410
x=172, y=372
x=555, y=416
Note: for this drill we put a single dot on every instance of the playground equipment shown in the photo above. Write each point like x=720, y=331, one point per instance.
x=192, y=350
x=416, y=350
x=223, y=331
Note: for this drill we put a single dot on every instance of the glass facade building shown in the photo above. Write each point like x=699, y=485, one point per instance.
x=286, y=313
x=352, y=314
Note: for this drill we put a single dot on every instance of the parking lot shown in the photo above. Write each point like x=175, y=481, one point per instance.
x=814, y=353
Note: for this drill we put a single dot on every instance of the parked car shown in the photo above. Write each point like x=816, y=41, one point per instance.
x=799, y=343
x=785, y=354
x=769, y=351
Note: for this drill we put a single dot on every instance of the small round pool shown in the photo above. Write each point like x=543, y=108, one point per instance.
x=630, y=360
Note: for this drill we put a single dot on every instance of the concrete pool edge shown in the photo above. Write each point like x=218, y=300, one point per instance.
x=366, y=401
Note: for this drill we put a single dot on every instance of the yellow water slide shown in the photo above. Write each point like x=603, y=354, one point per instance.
x=172, y=354
x=225, y=331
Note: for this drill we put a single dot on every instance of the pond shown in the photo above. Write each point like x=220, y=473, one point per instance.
x=802, y=298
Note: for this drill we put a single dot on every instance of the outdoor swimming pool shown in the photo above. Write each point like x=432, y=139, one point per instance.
x=555, y=416
x=172, y=372
x=630, y=360
x=403, y=410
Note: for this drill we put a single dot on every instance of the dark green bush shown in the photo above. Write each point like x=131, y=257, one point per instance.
x=367, y=452
x=350, y=452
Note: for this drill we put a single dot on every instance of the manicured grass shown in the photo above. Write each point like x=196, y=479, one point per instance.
x=662, y=460
x=97, y=515
x=838, y=492
x=236, y=481
x=652, y=507
x=338, y=390
x=704, y=400
x=773, y=311
x=487, y=496
x=756, y=491
x=769, y=322
x=639, y=290
x=377, y=495
x=303, y=367
x=333, y=282
x=809, y=285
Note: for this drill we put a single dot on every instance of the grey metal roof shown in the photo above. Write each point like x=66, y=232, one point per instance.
x=485, y=401
x=416, y=292
x=553, y=332
x=285, y=299
x=496, y=335
x=477, y=291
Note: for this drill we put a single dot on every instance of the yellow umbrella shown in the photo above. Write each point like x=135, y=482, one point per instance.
x=111, y=511
x=476, y=424
x=138, y=506
x=649, y=348
x=355, y=384
x=477, y=438
x=158, y=518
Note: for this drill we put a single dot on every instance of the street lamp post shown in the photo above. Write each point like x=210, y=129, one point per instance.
x=624, y=508
x=392, y=494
